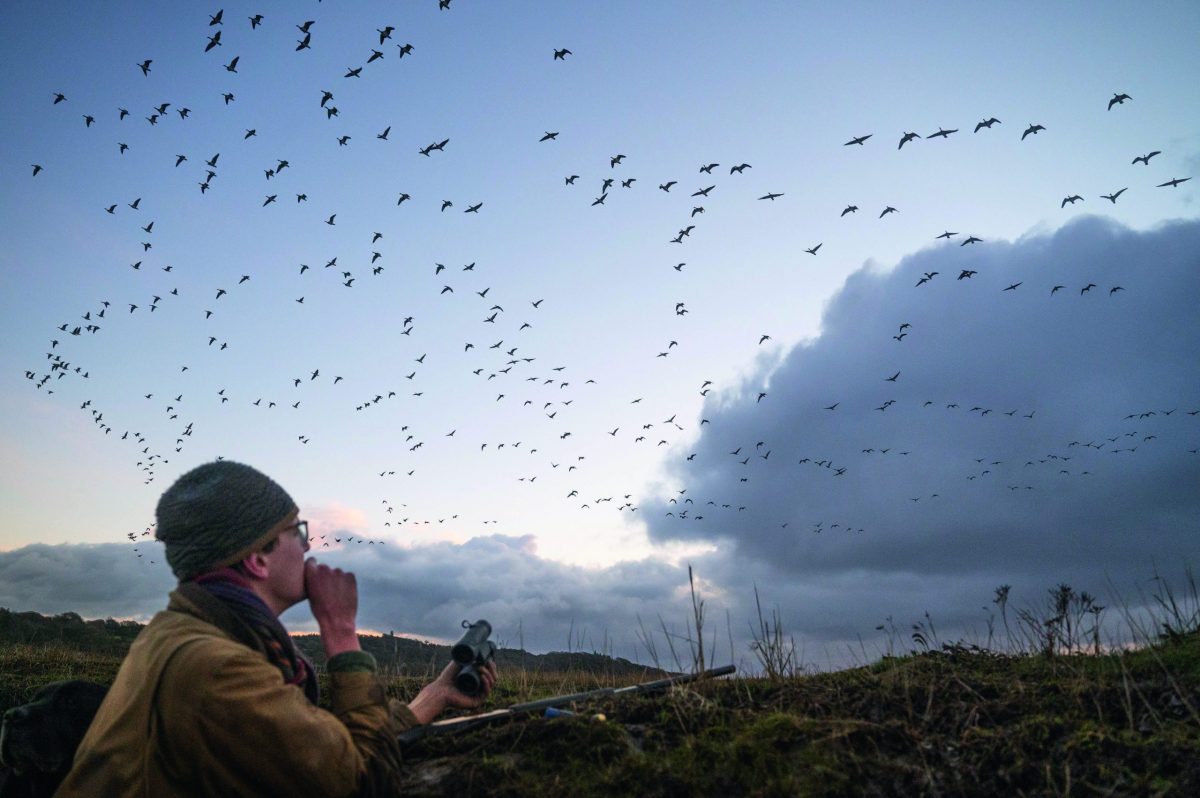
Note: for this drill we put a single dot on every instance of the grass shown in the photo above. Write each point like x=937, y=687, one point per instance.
x=1046, y=705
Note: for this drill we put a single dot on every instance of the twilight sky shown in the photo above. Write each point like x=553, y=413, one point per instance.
x=537, y=404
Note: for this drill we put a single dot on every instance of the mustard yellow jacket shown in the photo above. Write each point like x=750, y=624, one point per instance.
x=193, y=712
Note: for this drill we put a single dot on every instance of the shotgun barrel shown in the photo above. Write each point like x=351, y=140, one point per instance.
x=457, y=725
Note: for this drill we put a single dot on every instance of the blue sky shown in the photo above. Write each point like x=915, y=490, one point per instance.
x=672, y=86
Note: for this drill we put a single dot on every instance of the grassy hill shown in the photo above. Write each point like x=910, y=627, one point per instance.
x=949, y=720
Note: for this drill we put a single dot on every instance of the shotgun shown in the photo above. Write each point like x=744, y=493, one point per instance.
x=457, y=725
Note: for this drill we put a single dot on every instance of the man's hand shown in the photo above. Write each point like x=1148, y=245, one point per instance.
x=441, y=694
x=333, y=597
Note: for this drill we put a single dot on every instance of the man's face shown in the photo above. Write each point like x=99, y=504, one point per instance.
x=286, y=577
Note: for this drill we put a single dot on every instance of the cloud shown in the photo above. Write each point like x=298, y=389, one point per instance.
x=95, y=580
x=423, y=590
x=1030, y=437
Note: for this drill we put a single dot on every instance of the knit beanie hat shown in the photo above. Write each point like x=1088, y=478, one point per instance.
x=217, y=514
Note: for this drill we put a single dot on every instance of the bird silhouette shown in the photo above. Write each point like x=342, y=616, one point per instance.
x=1118, y=99
x=1032, y=129
x=858, y=140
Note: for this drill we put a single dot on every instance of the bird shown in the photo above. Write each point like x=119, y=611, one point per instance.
x=892, y=378
x=36, y=168
x=1145, y=159
x=987, y=123
x=942, y=133
x=145, y=66
x=446, y=204
x=549, y=136
x=771, y=197
x=215, y=19
x=213, y=41
x=740, y=168
x=255, y=21
x=1174, y=182
x=1118, y=99
x=947, y=234
x=858, y=140
x=1113, y=197
x=383, y=136
x=329, y=221
x=561, y=55
x=763, y=338
x=305, y=43
x=232, y=65
x=1031, y=129
x=907, y=137
x=813, y=250
x=355, y=72
x=1012, y=287
x=886, y=211
x=967, y=274
x=1071, y=199
x=849, y=209
x=613, y=161
x=971, y=240
x=666, y=186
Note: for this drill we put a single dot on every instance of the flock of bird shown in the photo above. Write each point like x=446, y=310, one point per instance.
x=502, y=355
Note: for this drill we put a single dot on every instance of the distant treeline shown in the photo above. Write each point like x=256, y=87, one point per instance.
x=399, y=655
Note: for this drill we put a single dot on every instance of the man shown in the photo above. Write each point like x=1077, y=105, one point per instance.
x=213, y=697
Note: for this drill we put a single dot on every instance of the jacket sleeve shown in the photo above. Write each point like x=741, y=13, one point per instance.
x=258, y=735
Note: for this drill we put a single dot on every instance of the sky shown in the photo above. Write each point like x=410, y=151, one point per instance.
x=528, y=412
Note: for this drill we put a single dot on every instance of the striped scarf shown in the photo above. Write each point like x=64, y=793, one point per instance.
x=228, y=602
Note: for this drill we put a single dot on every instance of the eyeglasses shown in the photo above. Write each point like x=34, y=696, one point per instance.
x=301, y=528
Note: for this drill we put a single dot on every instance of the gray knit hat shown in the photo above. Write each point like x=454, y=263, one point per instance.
x=217, y=514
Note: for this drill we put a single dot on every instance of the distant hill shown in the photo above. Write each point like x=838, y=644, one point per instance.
x=399, y=656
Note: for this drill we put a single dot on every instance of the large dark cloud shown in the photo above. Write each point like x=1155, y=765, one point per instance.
x=1047, y=468
x=1100, y=386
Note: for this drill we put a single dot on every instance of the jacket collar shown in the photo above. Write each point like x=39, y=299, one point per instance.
x=191, y=599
